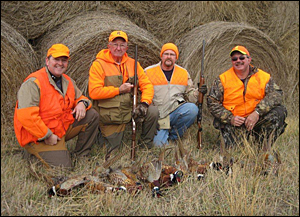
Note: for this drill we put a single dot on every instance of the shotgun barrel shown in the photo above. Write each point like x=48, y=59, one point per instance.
x=200, y=100
x=134, y=105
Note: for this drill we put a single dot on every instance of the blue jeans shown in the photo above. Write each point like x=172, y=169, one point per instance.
x=180, y=120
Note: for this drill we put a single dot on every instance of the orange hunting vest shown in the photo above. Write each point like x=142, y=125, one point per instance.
x=239, y=100
x=54, y=110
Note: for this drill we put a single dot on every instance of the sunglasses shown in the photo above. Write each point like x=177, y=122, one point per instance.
x=236, y=58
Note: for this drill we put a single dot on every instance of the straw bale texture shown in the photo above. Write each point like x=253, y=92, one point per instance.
x=34, y=18
x=172, y=19
x=139, y=12
x=220, y=38
x=87, y=34
x=284, y=30
x=18, y=60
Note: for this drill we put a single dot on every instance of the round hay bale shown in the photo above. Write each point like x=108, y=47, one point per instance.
x=33, y=18
x=18, y=60
x=220, y=38
x=284, y=18
x=284, y=30
x=139, y=12
x=87, y=34
x=172, y=19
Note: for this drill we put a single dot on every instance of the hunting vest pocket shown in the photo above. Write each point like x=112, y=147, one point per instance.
x=114, y=113
x=180, y=100
x=164, y=123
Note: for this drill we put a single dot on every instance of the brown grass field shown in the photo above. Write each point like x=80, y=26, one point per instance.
x=246, y=192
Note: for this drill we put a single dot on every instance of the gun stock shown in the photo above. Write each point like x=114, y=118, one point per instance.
x=200, y=100
x=134, y=105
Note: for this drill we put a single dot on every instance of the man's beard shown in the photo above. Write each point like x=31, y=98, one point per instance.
x=168, y=63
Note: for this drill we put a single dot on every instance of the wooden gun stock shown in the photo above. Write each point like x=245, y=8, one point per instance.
x=134, y=105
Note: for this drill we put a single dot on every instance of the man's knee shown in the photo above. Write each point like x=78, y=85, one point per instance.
x=191, y=108
x=276, y=117
x=57, y=158
x=282, y=114
x=153, y=112
x=93, y=115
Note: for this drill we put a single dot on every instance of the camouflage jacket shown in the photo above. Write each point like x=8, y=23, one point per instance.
x=273, y=97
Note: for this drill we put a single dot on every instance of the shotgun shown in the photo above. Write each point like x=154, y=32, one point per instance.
x=200, y=100
x=134, y=105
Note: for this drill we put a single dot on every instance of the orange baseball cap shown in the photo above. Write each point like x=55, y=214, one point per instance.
x=169, y=46
x=240, y=49
x=118, y=34
x=58, y=50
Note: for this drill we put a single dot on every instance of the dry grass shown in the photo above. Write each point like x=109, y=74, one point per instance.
x=245, y=193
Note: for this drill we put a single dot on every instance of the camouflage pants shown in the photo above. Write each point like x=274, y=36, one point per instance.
x=269, y=127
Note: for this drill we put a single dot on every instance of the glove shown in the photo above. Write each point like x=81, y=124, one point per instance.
x=140, y=112
x=203, y=89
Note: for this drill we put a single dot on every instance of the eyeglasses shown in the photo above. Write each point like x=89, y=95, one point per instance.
x=236, y=58
x=169, y=54
x=122, y=46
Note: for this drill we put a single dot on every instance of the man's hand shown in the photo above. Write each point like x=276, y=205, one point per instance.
x=125, y=88
x=203, y=89
x=251, y=120
x=140, y=112
x=52, y=140
x=237, y=121
x=79, y=111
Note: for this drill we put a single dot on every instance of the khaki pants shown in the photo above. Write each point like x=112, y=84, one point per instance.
x=58, y=155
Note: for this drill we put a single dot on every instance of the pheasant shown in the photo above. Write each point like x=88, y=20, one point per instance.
x=124, y=177
x=169, y=176
x=187, y=164
x=95, y=185
x=92, y=183
x=271, y=163
x=150, y=172
x=64, y=188
x=61, y=185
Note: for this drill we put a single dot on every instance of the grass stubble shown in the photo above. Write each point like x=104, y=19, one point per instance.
x=245, y=192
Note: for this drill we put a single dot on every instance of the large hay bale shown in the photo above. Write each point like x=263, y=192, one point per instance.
x=87, y=34
x=18, y=60
x=283, y=19
x=34, y=18
x=220, y=38
x=172, y=19
x=139, y=12
x=284, y=30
